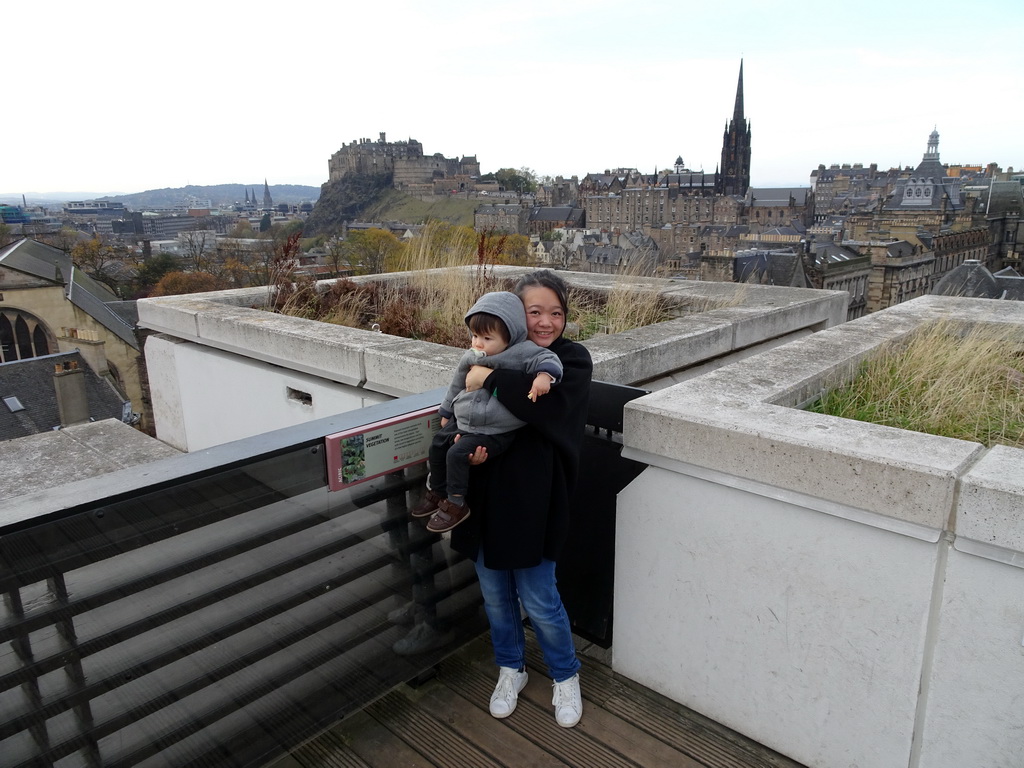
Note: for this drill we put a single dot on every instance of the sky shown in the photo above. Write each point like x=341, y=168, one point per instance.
x=121, y=97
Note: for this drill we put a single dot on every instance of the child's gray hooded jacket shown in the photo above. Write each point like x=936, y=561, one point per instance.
x=479, y=412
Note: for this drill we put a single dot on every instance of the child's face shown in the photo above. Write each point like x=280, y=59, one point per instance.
x=489, y=343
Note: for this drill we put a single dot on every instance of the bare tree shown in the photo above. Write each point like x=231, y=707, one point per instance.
x=197, y=249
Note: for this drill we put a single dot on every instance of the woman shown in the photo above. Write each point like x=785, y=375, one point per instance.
x=520, y=503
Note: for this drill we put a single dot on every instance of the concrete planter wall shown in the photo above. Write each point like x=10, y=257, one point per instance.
x=221, y=369
x=846, y=593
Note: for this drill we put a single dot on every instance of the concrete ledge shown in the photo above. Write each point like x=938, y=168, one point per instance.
x=715, y=318
x=990, y=509
x=738, y=419
x=406, y=367
x=712, y=319
x=644, y=353
x=68, y=455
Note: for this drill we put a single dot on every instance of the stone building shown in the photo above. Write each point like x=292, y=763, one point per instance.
x=1002, y=206
x=47, y=305
x=845, y=189
x=547, y=218
x=405, y=160
x=55, y=391
x=693, y=215
x=511, y=218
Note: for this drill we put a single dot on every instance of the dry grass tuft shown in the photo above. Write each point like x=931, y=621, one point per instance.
x=949, y=379
x=626, y=306
x=431, y=299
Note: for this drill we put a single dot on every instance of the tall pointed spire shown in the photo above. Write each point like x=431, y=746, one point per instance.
x=737, y=112
x=735, y=169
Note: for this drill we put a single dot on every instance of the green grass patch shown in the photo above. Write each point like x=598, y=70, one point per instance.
x=949, y=379
x=398, y=206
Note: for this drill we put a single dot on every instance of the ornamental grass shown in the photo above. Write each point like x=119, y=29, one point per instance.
x=950, y=378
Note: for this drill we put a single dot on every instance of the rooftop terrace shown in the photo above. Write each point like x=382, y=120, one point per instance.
x=838, y=592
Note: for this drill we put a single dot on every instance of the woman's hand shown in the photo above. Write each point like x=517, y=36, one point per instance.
x=476, y=376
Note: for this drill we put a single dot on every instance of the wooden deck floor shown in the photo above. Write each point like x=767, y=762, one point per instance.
x=445, y=722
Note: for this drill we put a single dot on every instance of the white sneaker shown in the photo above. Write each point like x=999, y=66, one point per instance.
x=568, y=702
x=506, y=693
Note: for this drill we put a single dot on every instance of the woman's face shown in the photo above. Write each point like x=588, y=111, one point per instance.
x=545, y=317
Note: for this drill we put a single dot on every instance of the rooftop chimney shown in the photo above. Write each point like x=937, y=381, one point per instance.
x=72, y=401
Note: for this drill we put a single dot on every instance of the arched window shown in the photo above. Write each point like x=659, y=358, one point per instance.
x=24, y=338
x=7, y=351
x=39, y=341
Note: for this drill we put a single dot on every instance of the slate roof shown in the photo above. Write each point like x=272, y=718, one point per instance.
x=973, y=280
x=31, y=382
x=834, y=254
x=605, y=254
x=557, y=213
x=779, y=196
x=771, y=268
x=53, y=265
x=1004, y=197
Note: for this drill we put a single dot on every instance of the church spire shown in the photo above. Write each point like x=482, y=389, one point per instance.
x=737, y=112
x=734, y=178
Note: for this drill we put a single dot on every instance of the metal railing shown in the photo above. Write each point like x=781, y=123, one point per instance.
x=221, y=608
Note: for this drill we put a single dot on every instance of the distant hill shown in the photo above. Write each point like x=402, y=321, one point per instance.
x=345, y=199
x=370, y=197
x=219, y=195
x=397, y=206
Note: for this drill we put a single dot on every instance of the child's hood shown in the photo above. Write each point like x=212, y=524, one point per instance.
x=506, y=306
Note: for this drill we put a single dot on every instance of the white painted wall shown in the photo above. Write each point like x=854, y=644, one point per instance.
x=800, y=629
x=974, y=713
x=204, y=396
x=846, y=593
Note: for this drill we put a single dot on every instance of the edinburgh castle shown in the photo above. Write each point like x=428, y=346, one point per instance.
x=411, y=169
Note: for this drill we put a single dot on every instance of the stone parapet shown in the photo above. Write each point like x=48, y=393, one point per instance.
x=843, y=592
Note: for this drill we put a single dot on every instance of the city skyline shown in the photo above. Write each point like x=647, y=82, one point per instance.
x=564, y=89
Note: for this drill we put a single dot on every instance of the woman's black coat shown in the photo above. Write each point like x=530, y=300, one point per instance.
x=520, y=500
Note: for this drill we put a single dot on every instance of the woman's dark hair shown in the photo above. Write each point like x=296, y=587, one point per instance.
x=482, y=323
x=544, y=278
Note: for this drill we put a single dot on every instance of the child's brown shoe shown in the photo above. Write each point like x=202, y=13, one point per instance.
x=428, y=506
x=448, y=515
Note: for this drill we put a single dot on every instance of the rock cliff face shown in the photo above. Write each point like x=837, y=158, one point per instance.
x=344, y=199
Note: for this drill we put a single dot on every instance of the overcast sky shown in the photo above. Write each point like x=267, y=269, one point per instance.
x=121, y=97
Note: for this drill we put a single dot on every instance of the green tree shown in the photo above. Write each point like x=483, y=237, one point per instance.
x=5, y=233
x=265, y=222
x=65, y=238
x=242, y=230
x=287, y=230
x=178, y=283
x=95, y=258
x=372, y=252
x=152, y=270
x=523, y=181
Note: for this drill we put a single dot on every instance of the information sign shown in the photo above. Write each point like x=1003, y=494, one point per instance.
x=372, y=450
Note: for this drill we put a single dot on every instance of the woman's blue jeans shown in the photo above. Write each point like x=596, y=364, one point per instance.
x=536, y=588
